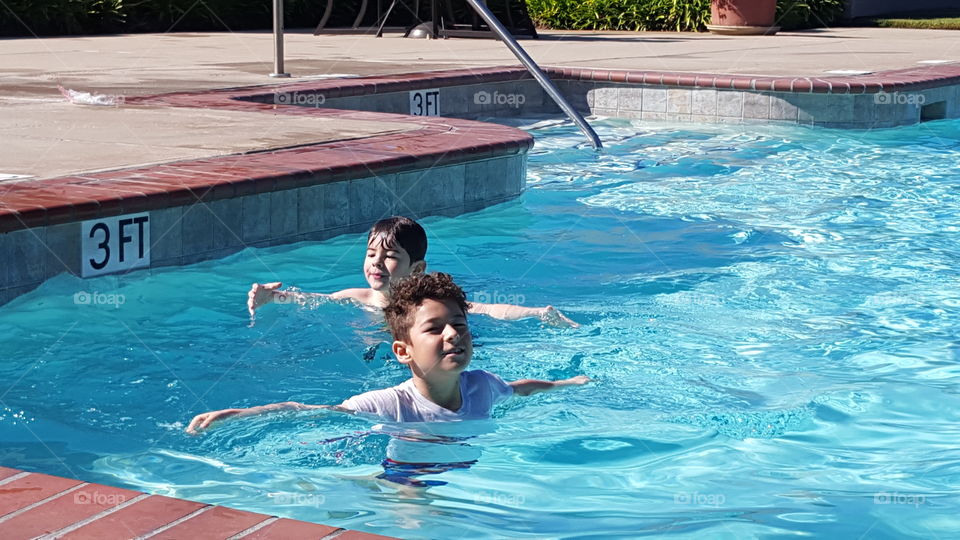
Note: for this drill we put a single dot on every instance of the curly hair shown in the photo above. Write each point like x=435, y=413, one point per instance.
x=410, y=292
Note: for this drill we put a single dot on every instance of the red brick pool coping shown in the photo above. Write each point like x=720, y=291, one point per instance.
x=436, y=141
x=35, y=504
x=916, y=78
x=901, y=80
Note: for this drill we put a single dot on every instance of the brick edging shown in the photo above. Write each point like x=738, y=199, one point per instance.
x=434, y=142
x=37, y=504
x=344, y=87
x=916, y=78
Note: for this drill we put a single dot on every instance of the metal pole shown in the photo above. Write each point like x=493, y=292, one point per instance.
x=278, y=40
x=480, y=7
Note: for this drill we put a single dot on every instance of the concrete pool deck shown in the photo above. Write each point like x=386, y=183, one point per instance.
x=63, y=139
x=143, y=64
x=40, y=124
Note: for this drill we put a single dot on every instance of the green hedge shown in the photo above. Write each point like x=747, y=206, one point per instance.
x=63, y=17
x=677, y=15
x=932, y=23
x=635, y=15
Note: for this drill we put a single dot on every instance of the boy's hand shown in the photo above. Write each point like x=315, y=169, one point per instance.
x=202, y=421
x=578, y=380
x=553, y=317
x=261, y=295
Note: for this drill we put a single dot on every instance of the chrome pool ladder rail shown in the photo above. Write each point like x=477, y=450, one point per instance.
x=480, y=7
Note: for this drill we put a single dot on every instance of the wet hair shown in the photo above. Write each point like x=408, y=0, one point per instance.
x=410, y=292
x=403, y=232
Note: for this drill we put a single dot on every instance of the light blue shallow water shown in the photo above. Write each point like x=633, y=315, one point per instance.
x=771, y=316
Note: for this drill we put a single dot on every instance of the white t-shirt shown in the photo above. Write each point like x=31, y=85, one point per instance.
x=480, y=391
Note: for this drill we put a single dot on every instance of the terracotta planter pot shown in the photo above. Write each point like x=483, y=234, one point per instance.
x=743, y=16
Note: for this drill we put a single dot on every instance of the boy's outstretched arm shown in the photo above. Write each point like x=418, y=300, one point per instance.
x=527, y=387
x=261, y=294
x=202, y=421
x=549, y=314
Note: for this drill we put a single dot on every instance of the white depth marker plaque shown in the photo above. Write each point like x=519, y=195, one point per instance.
x=114, y=244
x=425, y=102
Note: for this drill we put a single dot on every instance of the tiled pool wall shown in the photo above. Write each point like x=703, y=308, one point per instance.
x=215, y=207
x=816, y=105
x=715, y=106
x=490, y=99
x=203, y=230
x=323, y=211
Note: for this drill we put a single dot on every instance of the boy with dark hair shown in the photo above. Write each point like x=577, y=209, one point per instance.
x=396, y=248
x=427, y=316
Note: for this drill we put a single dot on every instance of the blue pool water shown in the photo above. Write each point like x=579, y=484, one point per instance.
x=771, y=316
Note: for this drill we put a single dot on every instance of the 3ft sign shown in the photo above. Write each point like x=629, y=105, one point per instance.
x=425, y=102
x=114, y=244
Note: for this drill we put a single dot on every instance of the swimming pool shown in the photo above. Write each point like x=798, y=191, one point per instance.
x=770, y=315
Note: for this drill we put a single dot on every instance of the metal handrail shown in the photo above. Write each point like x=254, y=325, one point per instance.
x=278, y=40
x=480, y=7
